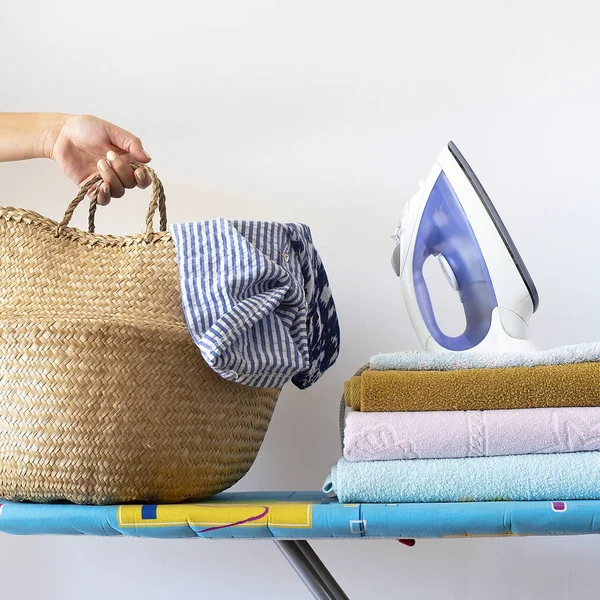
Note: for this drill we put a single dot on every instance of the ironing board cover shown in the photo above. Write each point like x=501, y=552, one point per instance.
x=302, y=515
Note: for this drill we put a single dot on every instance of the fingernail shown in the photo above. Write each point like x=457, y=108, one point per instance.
x=140, y=174
x=103, y=165
x=147, y=155
x=106, y=189
x=111, y=155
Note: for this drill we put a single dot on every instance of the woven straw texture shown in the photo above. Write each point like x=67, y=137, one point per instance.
x=104, y=397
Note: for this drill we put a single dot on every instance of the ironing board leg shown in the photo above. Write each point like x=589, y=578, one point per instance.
x=321, y=569
x=311, y=570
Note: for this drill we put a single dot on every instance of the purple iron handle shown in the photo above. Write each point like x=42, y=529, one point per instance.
x=445, y=230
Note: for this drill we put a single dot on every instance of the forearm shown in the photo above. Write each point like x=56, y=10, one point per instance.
x=28, y=135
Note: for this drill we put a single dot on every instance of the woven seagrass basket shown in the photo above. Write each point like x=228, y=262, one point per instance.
x=104, y=397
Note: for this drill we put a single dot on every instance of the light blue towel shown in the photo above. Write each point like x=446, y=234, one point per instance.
x=449, y=361
x=574, y=476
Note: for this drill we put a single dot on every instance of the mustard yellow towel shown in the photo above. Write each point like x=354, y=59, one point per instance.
x=475, y=389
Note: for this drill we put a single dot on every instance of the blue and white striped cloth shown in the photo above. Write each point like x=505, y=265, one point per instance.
x=257, y=300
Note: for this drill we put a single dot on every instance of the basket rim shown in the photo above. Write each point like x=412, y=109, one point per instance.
x=30, y=217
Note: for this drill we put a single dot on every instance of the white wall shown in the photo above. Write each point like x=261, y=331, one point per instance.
x=327, y=113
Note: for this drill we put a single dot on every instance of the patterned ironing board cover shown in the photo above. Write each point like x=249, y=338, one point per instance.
x=302, y=515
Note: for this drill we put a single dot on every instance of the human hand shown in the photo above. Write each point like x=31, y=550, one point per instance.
x=83, y=145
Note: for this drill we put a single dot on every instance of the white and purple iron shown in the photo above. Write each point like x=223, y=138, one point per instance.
x=452, y=218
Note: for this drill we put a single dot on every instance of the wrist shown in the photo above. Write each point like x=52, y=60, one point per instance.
x=50, y=126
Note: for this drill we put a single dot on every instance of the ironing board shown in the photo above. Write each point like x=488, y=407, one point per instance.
x=290, y=519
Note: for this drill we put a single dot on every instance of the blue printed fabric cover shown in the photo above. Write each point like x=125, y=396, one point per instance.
x=303, y=515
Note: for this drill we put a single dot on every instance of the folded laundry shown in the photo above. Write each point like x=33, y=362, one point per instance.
x=461, y=434
x=572, y=476
x=257, y=300
x=574, y=385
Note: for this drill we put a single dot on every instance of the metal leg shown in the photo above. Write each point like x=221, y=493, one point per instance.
x=311, y=570
x=322, y=570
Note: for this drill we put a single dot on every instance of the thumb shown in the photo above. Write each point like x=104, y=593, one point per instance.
x=129, y=143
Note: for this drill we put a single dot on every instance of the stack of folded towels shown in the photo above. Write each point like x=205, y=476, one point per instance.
x=449, y=427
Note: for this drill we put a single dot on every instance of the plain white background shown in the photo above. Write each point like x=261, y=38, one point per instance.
x=327, y=113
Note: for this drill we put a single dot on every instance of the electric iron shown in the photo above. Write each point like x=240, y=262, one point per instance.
x=452, y=218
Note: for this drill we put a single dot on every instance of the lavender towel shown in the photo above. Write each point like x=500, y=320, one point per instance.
x=462, y=434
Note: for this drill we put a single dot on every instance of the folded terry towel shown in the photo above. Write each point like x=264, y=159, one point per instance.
x=257, y=300
x=475, y=389
x=460, y=434
x=449, y=361
x=574, y=476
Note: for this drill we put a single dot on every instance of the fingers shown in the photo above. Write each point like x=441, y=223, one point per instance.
x=103, y=194
x=123, y=170
x=111, y=178
x=142, y=178
x=137, y=151
x=128, y=143
x=117, y=176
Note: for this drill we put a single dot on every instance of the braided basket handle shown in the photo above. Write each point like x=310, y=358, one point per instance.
x=158, y=200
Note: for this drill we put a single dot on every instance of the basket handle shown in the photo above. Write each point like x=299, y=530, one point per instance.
x=158, y=200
